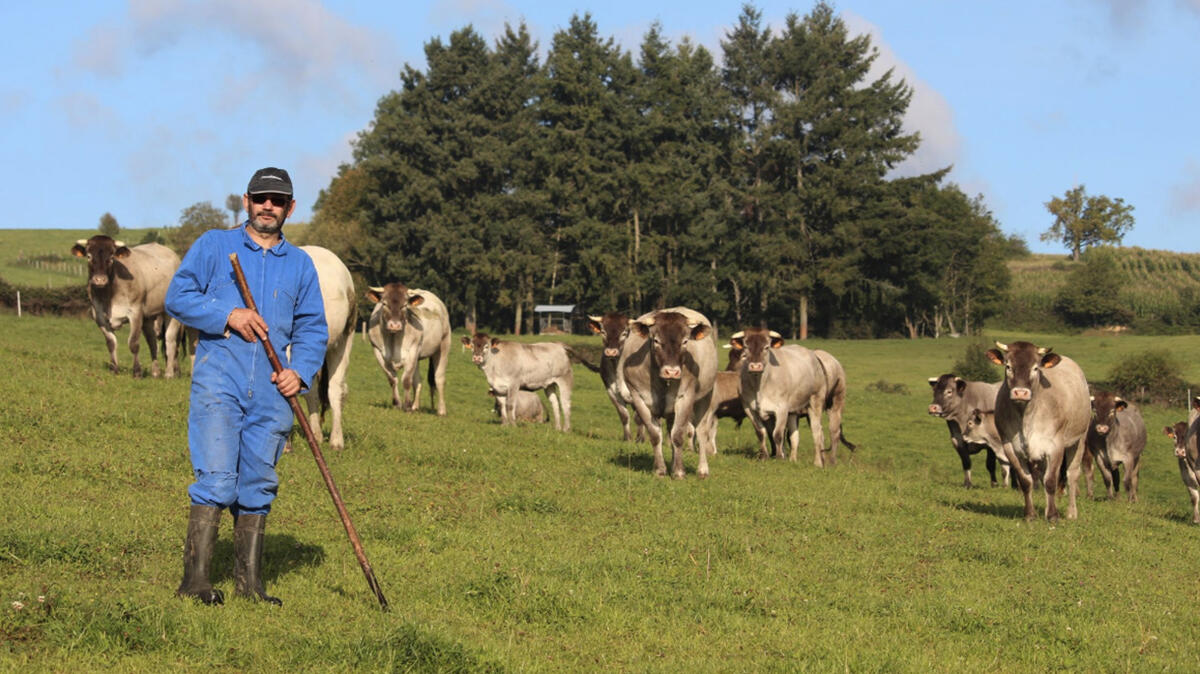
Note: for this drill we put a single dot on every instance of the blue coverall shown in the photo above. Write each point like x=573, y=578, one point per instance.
x=238, y=422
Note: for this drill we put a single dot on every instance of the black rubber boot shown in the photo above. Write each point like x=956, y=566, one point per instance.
x=203, y=523
x=247, y=563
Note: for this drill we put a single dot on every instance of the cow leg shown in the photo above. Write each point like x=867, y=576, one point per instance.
x=110, y=341
x=653, y=433
x=1131, y=479
x=1024, y=479
x=793, y=439
x=554, y=402
x=151, y=330
x=990, y=462
x=760, y=431
x=437, y=376
x=1107, y=471
x=778, y=433
x=312, y=403
x=964, y=456
x=1048, y=469
x=1073, y=457
x=681, y=437
x=340, y=357
x=564, y=402
x=622, y=413
x=412, y=375
x=171, y=346
x=135, y=342
x=1087, y=462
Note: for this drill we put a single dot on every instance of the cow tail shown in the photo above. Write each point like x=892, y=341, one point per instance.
x=323, y=389
x=849, y=445
x=580, y=359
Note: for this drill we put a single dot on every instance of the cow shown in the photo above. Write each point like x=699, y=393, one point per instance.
x=1116, y=435
x=1042, y=415
x=515, y=366
x=954, y=399
x=781, y=382
x=668, y=367
x=1188, y=454
x=341, y=315
x=528, y=407
x=613, y=328
x=130, y=284
x=407, y=325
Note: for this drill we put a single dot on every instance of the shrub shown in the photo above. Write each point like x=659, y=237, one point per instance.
x=1150, y=376
x=975, y=365
x=1090, y=297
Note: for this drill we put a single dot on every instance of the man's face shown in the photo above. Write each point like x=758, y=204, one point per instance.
x=268, y=211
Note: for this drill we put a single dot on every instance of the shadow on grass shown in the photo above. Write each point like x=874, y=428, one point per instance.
x=282, y=554
x=1014, y=511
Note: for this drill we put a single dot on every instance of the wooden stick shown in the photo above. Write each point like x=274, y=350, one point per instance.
x=313, y=444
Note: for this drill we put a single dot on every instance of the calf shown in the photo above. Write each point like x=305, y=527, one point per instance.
x=1117, y=435
x=613, y=328
x=514, y=366
x=130, y=284
x=954, y=399
x=1185, y=434
x=406, y=326
x=780, y=383
x=1042, y=416
x=668, y=365
x=528, y=407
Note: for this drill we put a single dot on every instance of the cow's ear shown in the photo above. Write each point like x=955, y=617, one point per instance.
x=375, y=294
x=1119, y=404
x=960, y=384
x=737, y=344
x=643, y=329
x=415, y=300
x=495, y=341
x=1196, y=402
x=79, y=249
x=466, y=340
x=1169, y=432
x=995, y=356
x=700, y=332
x=121, y=252
x=595, y=325
x=776, y=342
x=1050, y=360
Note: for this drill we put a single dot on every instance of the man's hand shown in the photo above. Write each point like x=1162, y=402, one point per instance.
x=288, y=382
x=248, y=324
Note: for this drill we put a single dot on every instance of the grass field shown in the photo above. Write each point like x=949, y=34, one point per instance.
x=523, y=549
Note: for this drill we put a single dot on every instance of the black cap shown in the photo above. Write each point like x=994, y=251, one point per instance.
x=270, y=180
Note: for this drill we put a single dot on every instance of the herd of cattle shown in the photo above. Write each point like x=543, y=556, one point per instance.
x=1039, y=424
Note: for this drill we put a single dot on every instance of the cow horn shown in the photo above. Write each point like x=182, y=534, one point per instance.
x=1043, y=350
x=595, y=319
x=738, y=335
x=378, y=290
x=119, y=244
x=1092, y=398
x=649, y=322
x=933, y=380
x=1002, y=347
x=775, y=335
x=82, y=242
x=726, y=346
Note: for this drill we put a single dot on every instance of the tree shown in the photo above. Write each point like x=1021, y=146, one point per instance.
x=194, y=221
x=109, y=226
x=1091, y=295
x=233, y=202
x=1082, y=221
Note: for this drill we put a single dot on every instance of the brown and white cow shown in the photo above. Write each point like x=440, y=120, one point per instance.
x=1042, y=415
x=613, y=328
x=406, y=326
x=130, y=284
x=1117, y=435
x=341, y=315
x=1185, y=436
x=954, y=400
x=668, y=366
x=780, y=383
x=516, y=366
x=528, y=406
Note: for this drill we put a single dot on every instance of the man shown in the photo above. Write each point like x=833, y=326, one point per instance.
x=239, y=417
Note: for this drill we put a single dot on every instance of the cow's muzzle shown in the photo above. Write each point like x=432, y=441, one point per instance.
x=670, y=371
x=478, y=360
x=395, y=326
x=100, y=280
x=612, y=353
x=935, y=410
x=754, y=366
x=1020, y=395
x=1102, y=429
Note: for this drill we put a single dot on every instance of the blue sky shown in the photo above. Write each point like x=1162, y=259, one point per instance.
x=143, y=108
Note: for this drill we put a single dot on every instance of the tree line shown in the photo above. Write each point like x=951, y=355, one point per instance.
x=755, y=190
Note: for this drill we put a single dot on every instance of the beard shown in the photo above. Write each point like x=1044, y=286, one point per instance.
x=270, y=227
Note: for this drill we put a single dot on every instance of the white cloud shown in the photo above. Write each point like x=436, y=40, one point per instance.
x=928, y=112
x=1185, y=195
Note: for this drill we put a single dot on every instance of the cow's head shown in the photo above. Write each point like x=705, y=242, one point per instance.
x=736, y=353
x=481, y=347
x=613, y=327
x=669, y=333
x=1023, y=364
x=1178, y=433
x=947, y=391
x=1105, y=406
x=396, y=300
x=101, y=251
x=755, y=345
x=975, y=423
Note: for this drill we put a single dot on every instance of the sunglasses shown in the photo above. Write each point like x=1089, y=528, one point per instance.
x=277, y=200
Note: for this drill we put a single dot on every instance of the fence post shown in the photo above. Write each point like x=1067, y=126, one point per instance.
x=18, y=304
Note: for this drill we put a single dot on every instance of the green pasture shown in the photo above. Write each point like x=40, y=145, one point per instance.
x=526, y=550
